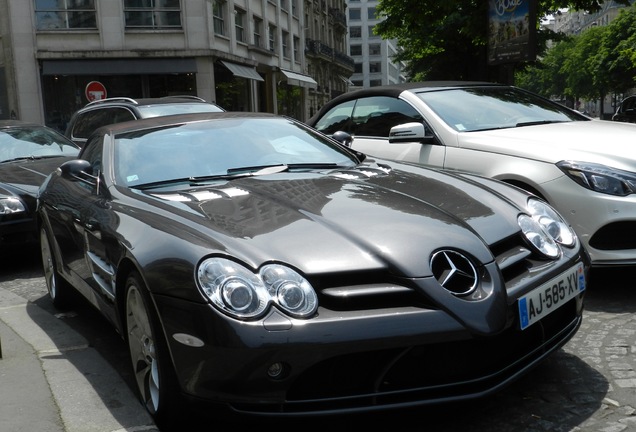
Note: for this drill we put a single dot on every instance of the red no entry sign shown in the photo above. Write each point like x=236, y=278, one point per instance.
x=95, y=91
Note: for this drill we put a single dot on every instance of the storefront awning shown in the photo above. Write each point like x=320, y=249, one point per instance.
x=120, y=66
x=242, y=71
x=298, y=79
x=346, y=80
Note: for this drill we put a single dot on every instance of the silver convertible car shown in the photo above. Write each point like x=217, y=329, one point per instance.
x=585, y=168
x=256, y=264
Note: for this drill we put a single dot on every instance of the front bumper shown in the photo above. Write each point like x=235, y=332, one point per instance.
x=353, y=361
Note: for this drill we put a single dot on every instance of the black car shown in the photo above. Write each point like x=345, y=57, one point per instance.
x=252, y=262
x=120, y=109
x=28, y=153
x=626, y=111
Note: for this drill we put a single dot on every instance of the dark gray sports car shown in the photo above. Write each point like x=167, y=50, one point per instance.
x=255, y=263
x=29, y=152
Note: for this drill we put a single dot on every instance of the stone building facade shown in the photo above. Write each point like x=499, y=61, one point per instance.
x=245, y=55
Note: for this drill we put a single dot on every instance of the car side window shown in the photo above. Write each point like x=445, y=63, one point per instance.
x=375, y=116
x=93, y=154
x=89, y=121
x=628, y=105
x=336, y=119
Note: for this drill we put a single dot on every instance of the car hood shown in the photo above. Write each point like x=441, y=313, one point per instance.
x=598, y=141
x=367, y=218
x=25, y=177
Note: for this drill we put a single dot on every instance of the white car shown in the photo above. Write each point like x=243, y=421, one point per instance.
x=585, y=168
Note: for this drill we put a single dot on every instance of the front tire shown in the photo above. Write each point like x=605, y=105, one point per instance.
x=156, y=383
x=59, y=290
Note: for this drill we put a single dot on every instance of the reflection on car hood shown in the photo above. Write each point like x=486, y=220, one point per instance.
x=339, y=221
x=26, y=176
x=598, y=141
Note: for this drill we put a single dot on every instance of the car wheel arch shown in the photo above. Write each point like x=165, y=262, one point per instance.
x=526, y=187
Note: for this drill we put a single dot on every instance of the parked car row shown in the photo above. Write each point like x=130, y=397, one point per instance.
x=273, y=267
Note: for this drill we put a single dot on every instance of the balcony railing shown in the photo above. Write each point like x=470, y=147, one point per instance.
x=317, y=48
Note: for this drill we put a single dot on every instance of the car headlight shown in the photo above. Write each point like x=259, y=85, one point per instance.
x=537, y=236
x=241, y=293
x=552, y=222
x=600, y=178
x=545, y=229
x=10, y=205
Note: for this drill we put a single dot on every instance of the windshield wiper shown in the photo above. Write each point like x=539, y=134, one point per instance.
x=235, y=173
x=31, y=157
x=538, y=122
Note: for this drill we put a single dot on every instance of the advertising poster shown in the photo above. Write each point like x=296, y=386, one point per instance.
x=512, y=31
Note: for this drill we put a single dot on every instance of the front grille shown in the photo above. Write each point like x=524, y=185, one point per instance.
x=375, y=290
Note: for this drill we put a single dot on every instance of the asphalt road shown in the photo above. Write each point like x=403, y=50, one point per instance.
x=589, y=385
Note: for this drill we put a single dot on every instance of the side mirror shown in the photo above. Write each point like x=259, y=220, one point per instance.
x=410, y=132
x=343, y=138
x=80, y=170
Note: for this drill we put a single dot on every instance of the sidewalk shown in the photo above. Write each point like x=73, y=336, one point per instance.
x=52, y=380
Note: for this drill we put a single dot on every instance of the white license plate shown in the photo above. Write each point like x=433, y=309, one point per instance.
x=551, y=295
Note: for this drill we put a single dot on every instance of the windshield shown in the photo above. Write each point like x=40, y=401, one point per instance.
x=33, y=142
x=223, y=148
x=176, y=108
x=484, y=108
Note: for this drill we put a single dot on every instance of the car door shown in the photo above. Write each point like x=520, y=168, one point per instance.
x=96, y=218
x=369, y=121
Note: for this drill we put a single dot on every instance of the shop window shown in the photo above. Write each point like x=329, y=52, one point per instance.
x=65, y=15
x=152, y=14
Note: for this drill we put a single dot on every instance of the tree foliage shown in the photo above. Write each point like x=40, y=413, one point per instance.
x=591, y=65
x=448, y=40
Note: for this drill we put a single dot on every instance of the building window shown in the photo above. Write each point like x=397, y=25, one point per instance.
x=354, y=14
x=219, y=17
x=375, y=67
x=371, y=33
x=375, y=49
x=285, y=41
x=65, y=14
x=152, y=14
x=371, y=13
x=375, y=83
x=272, y=37
x=296, y=45
x=355, y=50
x=355, y=32
x=239, y=24
x=294, y=5
x=258, y=31
x=284, y=5
x=357, y=68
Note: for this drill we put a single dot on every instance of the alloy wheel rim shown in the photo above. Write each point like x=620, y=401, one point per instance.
x=142, y=349
x=48, y=266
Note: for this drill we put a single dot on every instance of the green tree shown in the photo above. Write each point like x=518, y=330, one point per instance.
x=448, y=40
x=548, y=77
x=617, y=57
